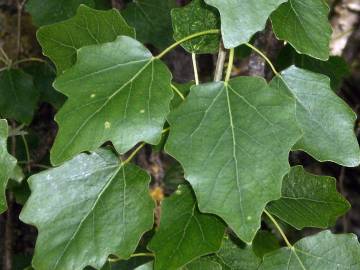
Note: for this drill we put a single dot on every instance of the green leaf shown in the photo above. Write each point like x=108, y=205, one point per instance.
x=87, y=209
x=116, y=92
x=326, y=120
x=240, y=19
x=7, y=164
x=309, y=200
x=53, y=11
x=18, y=95
x=265, y=242
x=43, y=77
x=233, y=141
x=204, y=263
x=193, y=18
x=322, y=251
x=184, y=233
x=61, y=41
x=335, y=68
x=238, y=258
x=152, y=21
x=305, y=25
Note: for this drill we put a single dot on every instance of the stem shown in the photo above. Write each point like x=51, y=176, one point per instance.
x=133, y=154
x=31, y=59
x=145, y=254
x=26, y=146
x=265, y=58
x=220, y=63
x=207, y=32
x=196, y=75
x=273, y=220
x=177, y=91
x=230, y=65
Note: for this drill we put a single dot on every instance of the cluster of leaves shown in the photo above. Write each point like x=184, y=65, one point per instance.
x=232, y=138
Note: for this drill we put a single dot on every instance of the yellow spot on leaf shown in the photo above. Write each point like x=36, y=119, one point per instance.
x=107, y=125
x=93, y=95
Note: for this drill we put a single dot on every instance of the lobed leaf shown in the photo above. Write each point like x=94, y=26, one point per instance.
x=116, y=92
x=233, y=141
x=241, y=19
x=87, y=209
x=309, y=200
x=53, y=11
x=60, y=41
x=322, y=251
x=184, y=233
x=326, y=120
x=305, y=25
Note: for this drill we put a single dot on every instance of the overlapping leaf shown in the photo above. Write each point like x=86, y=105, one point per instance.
x=18, y=95
x=240, y=19
x=264, y=242
x=233, y=141
x=335, y=67
x=52, y=11
x=87, y=209
x=238, y=258
x=322, y=251
x=188, y=234
x=305, y=25
x=308, y=200
x=117, y=92
x=7, y=164
x=43, y=76
x=326, y=120
x=152, y=21
x=203, y=263
x=61, y=41
x=193, y=18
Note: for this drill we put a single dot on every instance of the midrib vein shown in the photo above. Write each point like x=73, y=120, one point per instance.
x=102, y=191
x=102, y=106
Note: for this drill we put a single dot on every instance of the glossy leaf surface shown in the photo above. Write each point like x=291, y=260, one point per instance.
x=188, y=234
x=233, y=142
x=87, y=209
x=116, y=92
